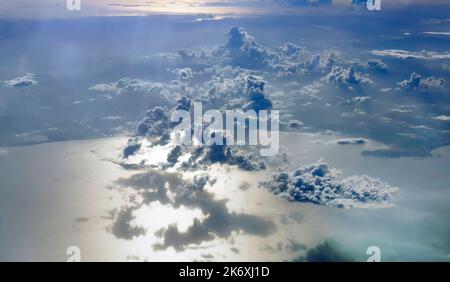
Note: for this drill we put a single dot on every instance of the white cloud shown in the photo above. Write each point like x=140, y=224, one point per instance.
x=436, y=33
x=442, y=118
x=23, y=81
x=127, y=86
x=402, y=54
x=341, y=75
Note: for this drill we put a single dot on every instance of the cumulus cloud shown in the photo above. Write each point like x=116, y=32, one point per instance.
x=341, y=75
x=254, y=91
x=23, y=81
x=131, y=148
x=183, y=73
x=416, y=81
x=206, y=155
x=243, y=49
x=319, y=184
x=128, y=86
x=155, y=122
x=245, y=74
x=174, y=154
x=377, y=65
x=359, y=101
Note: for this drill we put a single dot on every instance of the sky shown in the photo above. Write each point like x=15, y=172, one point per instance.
x=57, y=8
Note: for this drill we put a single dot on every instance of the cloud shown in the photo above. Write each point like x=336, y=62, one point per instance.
x=81, y=220
x=359, y=101
x=233, y=76
x=398, y=153
x=174, y=154
x=436, y=21
x=377, y=65
x=23, y=81
x=436, y=33
x=204, y=156
x=416, y=81
x=128, y=86
x=341, y=75
x=183, y=73
x=442, y=118
x=319, y=184
x=311, y=90
x=305, y=3
x=243, y=50
x=155, y=122
x=131, y=148
x=351, y=141
x=402, y=54
x=254, y=91
x=325, y=252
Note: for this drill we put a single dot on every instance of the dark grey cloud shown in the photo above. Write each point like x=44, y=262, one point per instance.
x=325, y=252
x=254, y=91
x=155, y=122
x=206, y=155
x=131, y=148
x=351, y=141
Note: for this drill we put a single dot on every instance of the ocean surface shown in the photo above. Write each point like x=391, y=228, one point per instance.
x=62, y=194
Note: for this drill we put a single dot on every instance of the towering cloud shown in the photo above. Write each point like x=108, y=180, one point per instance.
x=319, y=184
x=417, y=82
x=254, y=91
x=243, y=50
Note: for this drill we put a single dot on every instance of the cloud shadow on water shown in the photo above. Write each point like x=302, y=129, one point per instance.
x=170, y=189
